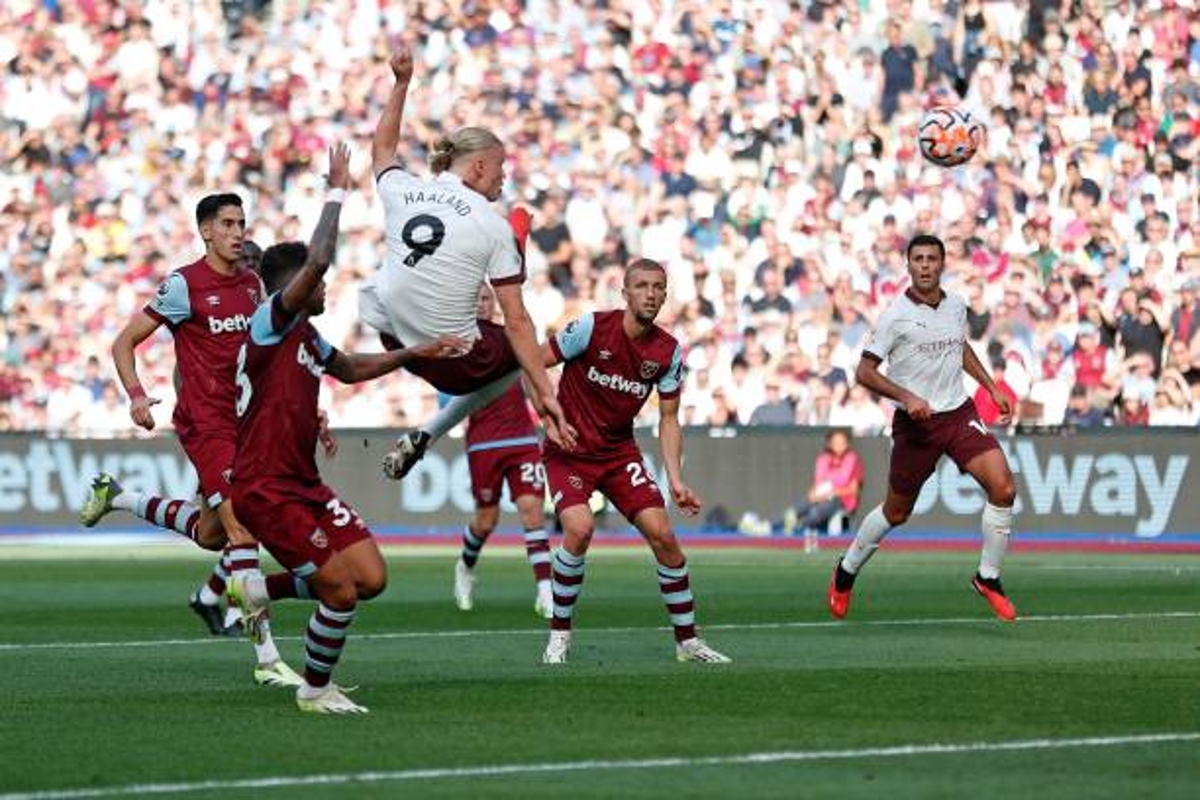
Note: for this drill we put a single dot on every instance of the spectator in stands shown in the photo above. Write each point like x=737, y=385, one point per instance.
x=552, y=238
x=1185, y=359
x=989, y=412
x=860, y=413
x=776, y=409
x=1095, y=364
x=1138, y=382
x=1173, y=404
x=836, y=485
x=1051, y=384
x=1145, y=332
x=1081, y=412
x=1185, y=319
x=807, y=164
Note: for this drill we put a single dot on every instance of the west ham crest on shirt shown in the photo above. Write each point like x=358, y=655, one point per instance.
x=648, y=369
x=605, y=355
x=213, y=300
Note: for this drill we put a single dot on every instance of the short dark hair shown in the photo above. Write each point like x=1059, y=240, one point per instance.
x=252, y=254
x=210, y=205
x=925, y=239
x=280, y=262
x=641, y=264
x=832, y=432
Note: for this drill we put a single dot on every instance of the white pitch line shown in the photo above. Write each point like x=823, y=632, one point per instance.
x=503, y=770
x=751, y=626
x=1174, y=568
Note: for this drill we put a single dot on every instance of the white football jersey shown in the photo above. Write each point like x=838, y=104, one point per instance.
x=443, y=240
x=923, y=348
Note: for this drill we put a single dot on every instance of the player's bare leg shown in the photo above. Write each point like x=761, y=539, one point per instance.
x=537, y=550
x=579, y=525
x=992, y=472
x=674, y=584
x=356, y=573
x=895, y=511
x=475, y=535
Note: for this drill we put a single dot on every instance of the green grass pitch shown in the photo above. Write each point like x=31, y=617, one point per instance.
x=110, y=687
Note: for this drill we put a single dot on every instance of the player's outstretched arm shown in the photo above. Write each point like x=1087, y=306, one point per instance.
x=867, y=373
x=359, y=367
x=139, y=328
x=387, y=130
x=670, y=437
x=323, y=245
x=519, y=329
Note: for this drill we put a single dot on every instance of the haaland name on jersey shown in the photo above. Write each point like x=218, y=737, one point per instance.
x=460, y=206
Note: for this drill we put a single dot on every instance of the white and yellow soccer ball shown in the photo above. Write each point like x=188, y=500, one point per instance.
x=949, y=136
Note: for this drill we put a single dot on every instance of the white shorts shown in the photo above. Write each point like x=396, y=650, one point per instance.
x=371, y=309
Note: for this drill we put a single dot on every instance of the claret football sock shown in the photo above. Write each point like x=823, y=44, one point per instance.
x=566, y=581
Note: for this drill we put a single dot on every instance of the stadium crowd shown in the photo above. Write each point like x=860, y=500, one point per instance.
x=764, y=151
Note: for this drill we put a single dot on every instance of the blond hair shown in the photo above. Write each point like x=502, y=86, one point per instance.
x=463, y=142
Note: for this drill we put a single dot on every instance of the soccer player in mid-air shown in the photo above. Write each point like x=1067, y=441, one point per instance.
x=614, y=359
x=922, y=336
x=328, y=551
x=503, y=448
x=207, y=305
x=443, y=241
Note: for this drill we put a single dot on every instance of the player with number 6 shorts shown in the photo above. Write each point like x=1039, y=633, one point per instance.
x=613, y=361
x=922, y=336
x=328, y=551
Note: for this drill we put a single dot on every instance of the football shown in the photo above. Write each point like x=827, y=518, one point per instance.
x=949, y=136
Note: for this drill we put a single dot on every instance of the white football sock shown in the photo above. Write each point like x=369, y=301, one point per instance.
x=997, y=527
x=464, y=405
x=131, y=501
x=870, y=533
x=266, y=652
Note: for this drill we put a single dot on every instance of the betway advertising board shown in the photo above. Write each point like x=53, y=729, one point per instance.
x=1134, y=486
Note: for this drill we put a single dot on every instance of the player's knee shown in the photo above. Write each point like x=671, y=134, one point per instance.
x=211, y=537
x=371, y=586
x=341, y=596
x=668, y=553
x=896, y=516
x=579, y=537
x=664, y=544
x=1003, y=492
x=531, y=517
